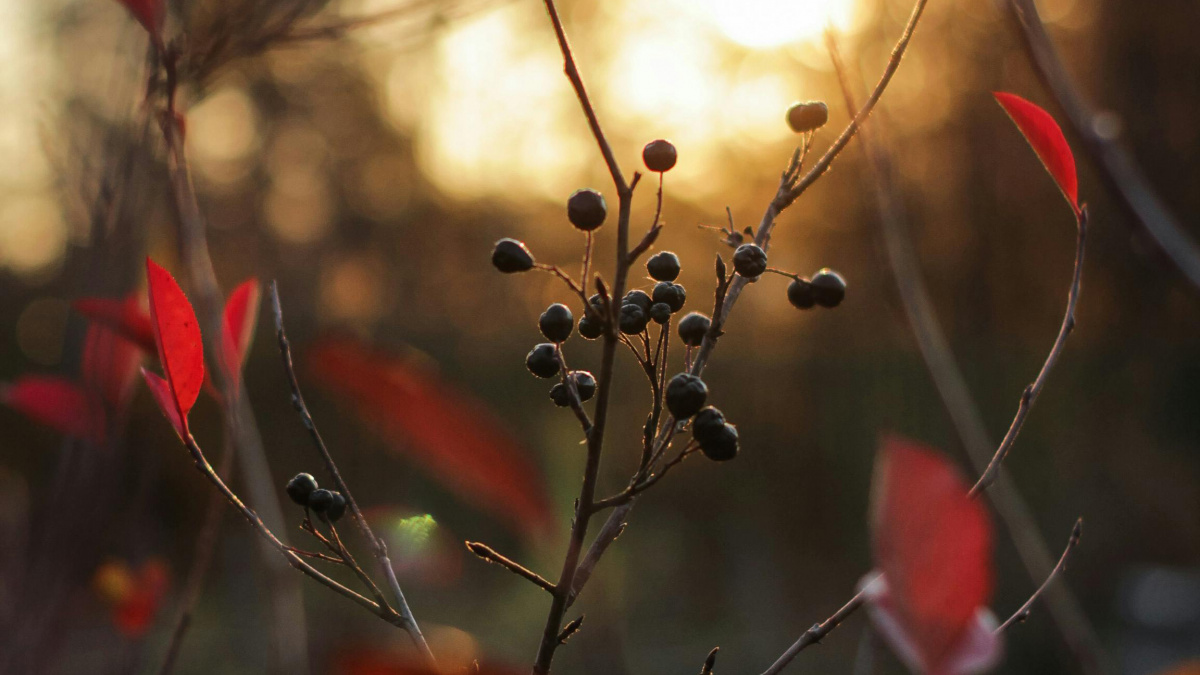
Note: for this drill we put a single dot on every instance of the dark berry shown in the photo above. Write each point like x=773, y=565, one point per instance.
x=511, y=256
x=320, y=500
x=590, y=328
x=692, y=329
x=337, y=508
x=300, y=487
x=663, y=266
x=800, y=294
x=685, y=395
x=829, y=288
x=633, y=319
x=750, y=261
x=707, y=424
x=556, y=322
x=586, y=209
x=809, y=116
x=673, y=295
x=639, y=298
x=659, y=155
x=722, y=446
x=560, y=395
x=585, y=384
x=542, y=360
x=660, y=313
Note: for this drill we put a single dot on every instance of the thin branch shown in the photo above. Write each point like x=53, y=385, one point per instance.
x=968, y=421
x=1029, y=396
x=1120, y=173
x=710, y=661
x=1023, y=613
x=814, y=635
x=558, y=272
x=491, y=555
x=409, y=622
x=573, y=399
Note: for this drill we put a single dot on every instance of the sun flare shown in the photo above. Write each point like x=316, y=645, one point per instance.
x=773, y=23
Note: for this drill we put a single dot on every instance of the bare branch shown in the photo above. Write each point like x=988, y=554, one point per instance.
x=1023, y=613
x=491, y=555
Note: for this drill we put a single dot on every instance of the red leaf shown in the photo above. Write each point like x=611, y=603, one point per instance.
x=177, y=335
x=455, y=436
x=109, y=366
x=57, y=402
x=149, y=13
x=134, y=613
x=123, y=316
x=161, y=390
x=933, y=545
x=241, y=317
x=1044, y=134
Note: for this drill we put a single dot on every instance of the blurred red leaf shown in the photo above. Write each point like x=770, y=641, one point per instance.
x=149, y=13
x=1047, y=140
x=455, y=436
x=57, y=402
x=109, y=366
x=126, y=317
x=135, y=598
x=933, y=545
x=177, y=335
x=241, y=318
x=367, y=659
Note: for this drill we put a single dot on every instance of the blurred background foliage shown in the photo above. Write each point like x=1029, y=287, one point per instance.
x=370, y=173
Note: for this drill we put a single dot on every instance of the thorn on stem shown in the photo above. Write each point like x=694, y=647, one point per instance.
x=570, y=629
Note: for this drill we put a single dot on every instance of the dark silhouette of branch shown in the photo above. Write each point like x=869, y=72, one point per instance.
x=491, y=555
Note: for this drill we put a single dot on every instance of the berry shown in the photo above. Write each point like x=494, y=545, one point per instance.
x=801, y=294
x=639, y=298
x=560, y=395
x=335, y=510
x=673, y=295
x=556, y=322
x=802, y=117
x=300, y=487
x=320, y=500
x=660, y=313
x=685, y=395
x=722, y=446
x=585, y=384
x=750, y=261
x=633, y=319
x=663, y=266
x=511, y=256
x=828, y=288
x=692, y=329
x=586, y=209
x=707, y=424
x=542, y=360
x=590, y=328
x=659, y=155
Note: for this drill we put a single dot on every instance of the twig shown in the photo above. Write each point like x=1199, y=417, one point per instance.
x=710, y=661
x=491, y=555
x=814, y=635
x=595, y=437
x=572, y=391
x=569, y=630
x=1120, y=173
x=1023, y=613
x=1029, y=396
x=409, y=622
x=952, y=387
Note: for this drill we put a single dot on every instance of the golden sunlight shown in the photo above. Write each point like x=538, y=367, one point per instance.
x=772, y=23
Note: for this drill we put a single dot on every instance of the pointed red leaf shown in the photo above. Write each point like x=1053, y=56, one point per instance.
x=933, y=545
x=57, y=402
x=123, y=316
x=1047, y=139
x=453, y=435
x=241, y=318
x=149, y=13
x=177, y=335
x=165, y=400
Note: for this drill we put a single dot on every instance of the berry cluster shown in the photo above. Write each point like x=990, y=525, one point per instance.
x=686, y=395
x=328, y=504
